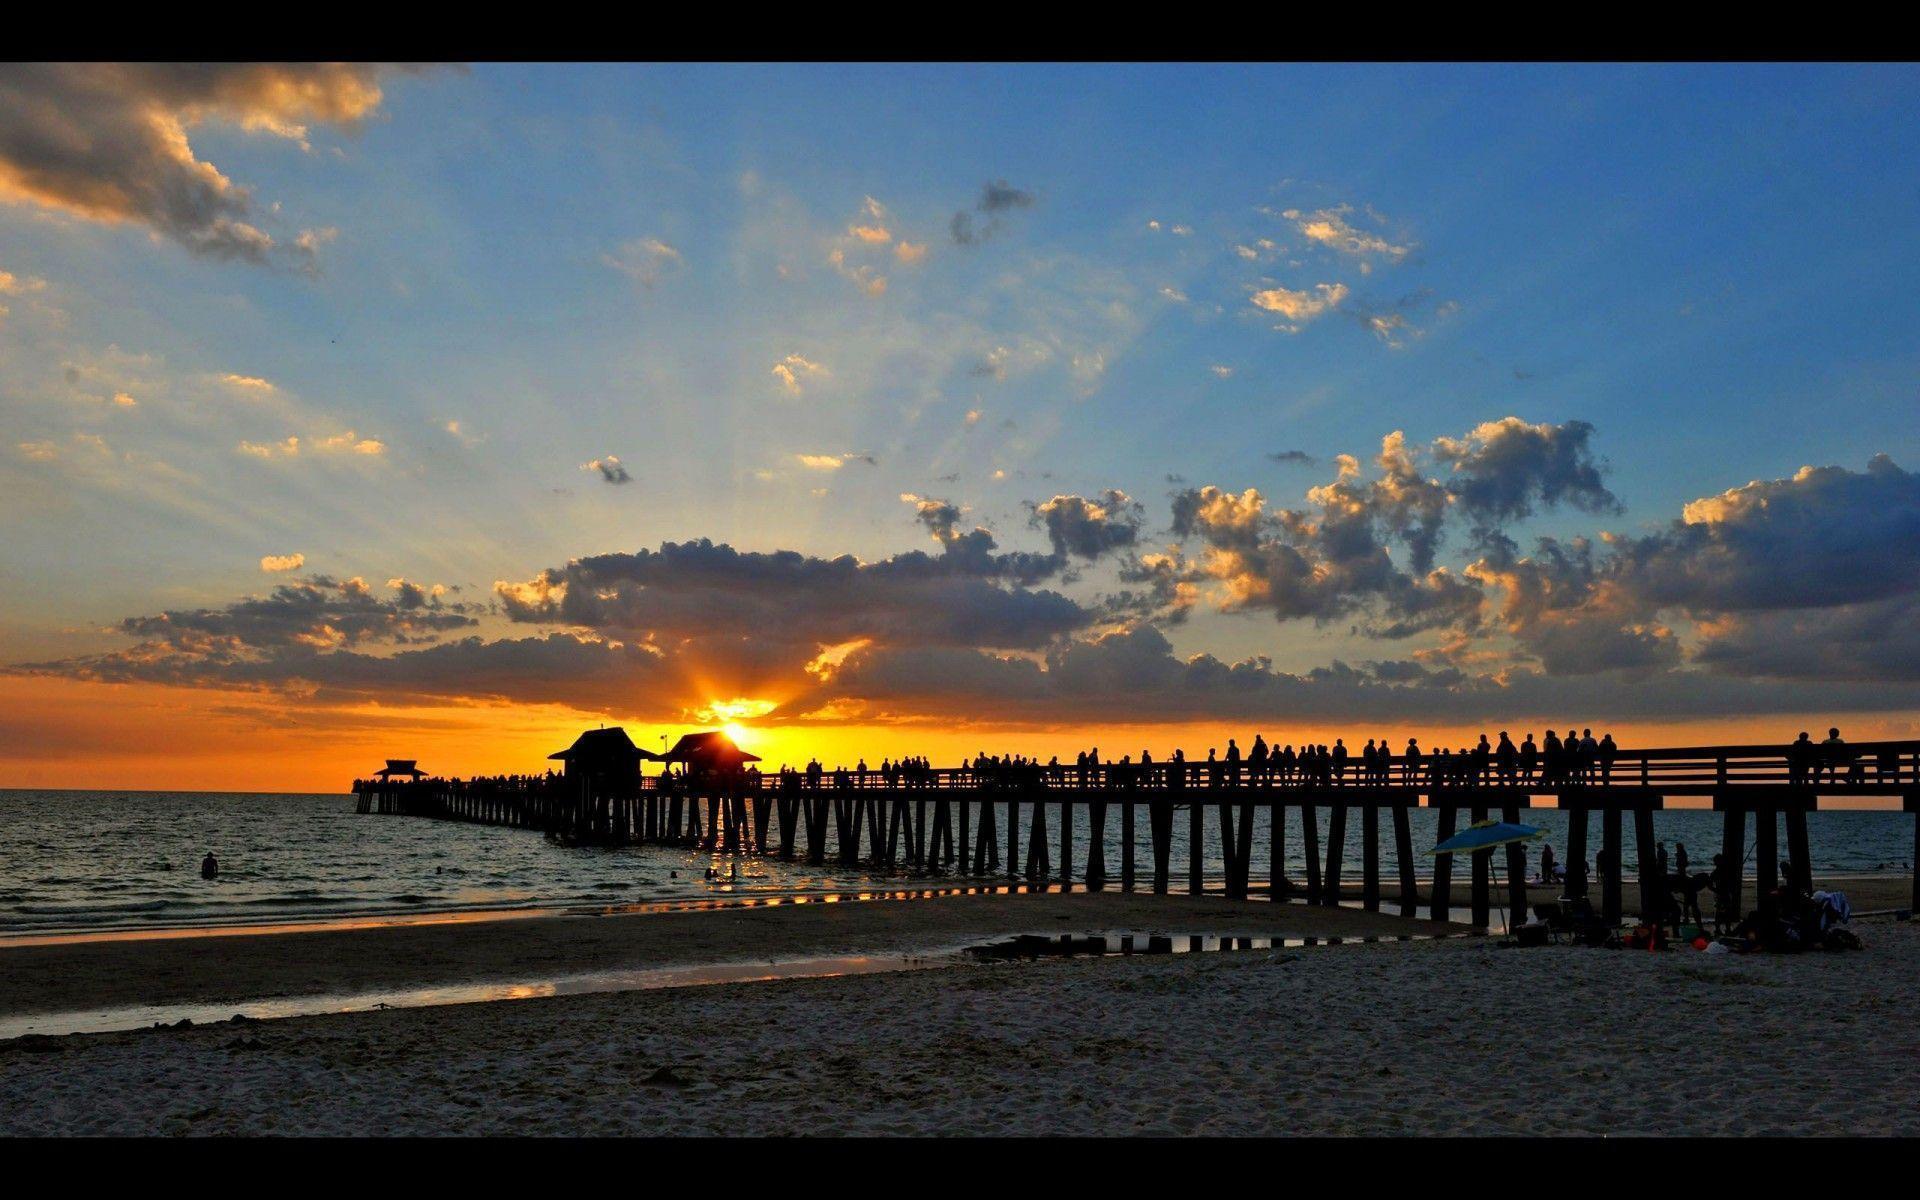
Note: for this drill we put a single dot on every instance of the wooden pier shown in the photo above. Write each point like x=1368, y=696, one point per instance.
x=978, y=822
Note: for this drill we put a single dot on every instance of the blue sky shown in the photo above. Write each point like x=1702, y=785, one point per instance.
x=1711, y=266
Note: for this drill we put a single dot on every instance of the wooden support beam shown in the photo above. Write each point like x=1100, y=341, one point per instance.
x=1229, y=852
x=1799, y=853
x=965, y=805
x=1443, y=867
x=1653, y=889
x=1733, y=862
x=1243, y=848
x=1196, y=844
x=1126, y=845
x=1276, y=851
x=1516, y=870
x=1310, y=848
x=1038, y=866
x=1160, y=830
x=1482, y=881
x=1066, y=842
x=1610, y=845
x=1336, y=854
x=1013, y=836
x=1096, y=873
x=1576, y=866
x=1766, y=855
x=1370, y=858
x=1403, y=858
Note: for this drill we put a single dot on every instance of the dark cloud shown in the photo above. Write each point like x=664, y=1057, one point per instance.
x=996, y=198
x=1294, y=458
x=1826, y=536
x=108, y=141
x=1504, y=469
x=1088, y=529
x=706, y=590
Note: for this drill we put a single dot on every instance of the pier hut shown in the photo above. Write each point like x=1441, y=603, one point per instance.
x=400, y=768
x=712, y=751
x=604, y=762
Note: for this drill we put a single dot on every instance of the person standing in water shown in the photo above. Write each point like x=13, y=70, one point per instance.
x=209, y=867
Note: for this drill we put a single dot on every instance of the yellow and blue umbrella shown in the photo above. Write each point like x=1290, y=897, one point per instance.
x=1486, y=835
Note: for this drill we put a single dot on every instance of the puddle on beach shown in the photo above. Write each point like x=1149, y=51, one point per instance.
x=1028, y=946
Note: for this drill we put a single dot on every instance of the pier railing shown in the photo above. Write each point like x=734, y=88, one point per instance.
x=928, y=820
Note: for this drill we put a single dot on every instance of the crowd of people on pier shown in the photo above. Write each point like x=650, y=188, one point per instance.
x=1553, y=762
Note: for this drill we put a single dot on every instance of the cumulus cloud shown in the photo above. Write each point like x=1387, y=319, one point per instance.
x=282, y=562
x=1299, y=307
x=610, y=469
x=1333, y=229
x=110, y=142
x=794, y=371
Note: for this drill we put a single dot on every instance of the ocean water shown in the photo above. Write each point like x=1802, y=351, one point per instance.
x=74, y=860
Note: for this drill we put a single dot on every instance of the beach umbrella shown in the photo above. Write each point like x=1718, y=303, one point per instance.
x=1486, y=835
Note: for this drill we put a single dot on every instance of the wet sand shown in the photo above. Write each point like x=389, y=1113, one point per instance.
x=1456, y=1037
x=236, y=968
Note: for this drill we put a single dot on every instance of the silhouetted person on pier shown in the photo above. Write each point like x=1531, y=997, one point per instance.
x=1802, y=759
x=1410, y=765
x=1233, y=763
x=1529, y=758
x=1550, y=759
x=1608, y=752
x=1507, y=758
x=209, y=867
x=1339, y=760
x=1257, y=761
x=1833, y=755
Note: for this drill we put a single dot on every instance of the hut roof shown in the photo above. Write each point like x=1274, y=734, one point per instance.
x=712, y=746
x=603, y=743
x=400, y=766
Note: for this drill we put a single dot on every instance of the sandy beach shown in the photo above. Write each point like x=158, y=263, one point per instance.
x=1451, y=1036
x=146, y=970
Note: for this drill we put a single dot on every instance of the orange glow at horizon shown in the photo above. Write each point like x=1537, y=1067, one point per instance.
x=58, y=733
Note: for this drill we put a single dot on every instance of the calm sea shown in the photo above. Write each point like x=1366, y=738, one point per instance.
x=72, y=860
